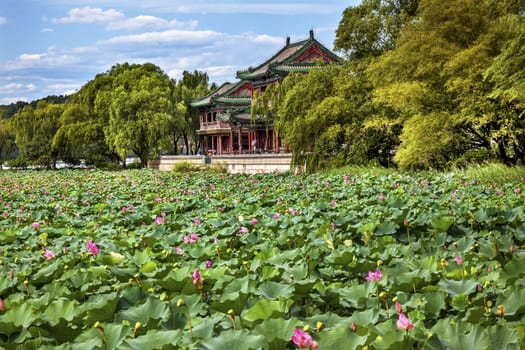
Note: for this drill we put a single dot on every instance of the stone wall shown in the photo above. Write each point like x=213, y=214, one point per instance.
x=236, y=164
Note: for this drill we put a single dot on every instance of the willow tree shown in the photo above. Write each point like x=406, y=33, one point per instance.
x=438, y=71
x=82, y=122
x=138, y=111
x=372, y=27
x=184, y=120
x=34, y=130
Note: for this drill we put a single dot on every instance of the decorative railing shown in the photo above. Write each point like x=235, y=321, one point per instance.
x=214, y=125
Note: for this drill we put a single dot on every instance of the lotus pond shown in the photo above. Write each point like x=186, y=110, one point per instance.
x=158, y=260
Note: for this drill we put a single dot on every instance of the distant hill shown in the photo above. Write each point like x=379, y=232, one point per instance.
x=7, y=111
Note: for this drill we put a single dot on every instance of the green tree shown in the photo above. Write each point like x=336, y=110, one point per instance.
x=372, y=27
x=438, y=70
x=34, y=131
x=185, y=120
x=85, y=116
x=7, y=142
x=138, y=111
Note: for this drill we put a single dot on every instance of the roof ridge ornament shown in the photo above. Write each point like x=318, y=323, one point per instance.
x=311, y=34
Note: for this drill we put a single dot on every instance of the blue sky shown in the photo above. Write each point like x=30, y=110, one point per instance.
x=53, y=47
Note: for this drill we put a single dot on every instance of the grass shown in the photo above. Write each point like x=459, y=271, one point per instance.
x=489, y=174
x=492, y=173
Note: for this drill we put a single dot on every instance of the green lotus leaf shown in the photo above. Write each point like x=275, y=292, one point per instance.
x=358, y=295
x=141, y=257
x=458, y=287
x=513, y=300
x=149, y=268
x=99, y=308
x=341, y=338
x=514, y=269
x=442, y=223
x=46, y=274
x=435, y=302
x=277, y=331
x=155, y=339
x=176, y=279
x=503, y=338
x=232, y=301
x=264, y=309
x=17, y=317
x=61, y=309
x=114, y=335
x=389, y=337
x=85, y=342
x=460, y=302
x=9, y=235
x=151, y=310
x=235, y=340
x=112, y=258
x=460, y=335
x=203, y=328
x=273, y=290
x=338, y=257
x=386, y=228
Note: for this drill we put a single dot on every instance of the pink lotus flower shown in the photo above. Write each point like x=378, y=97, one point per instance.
x=276, y=216
x=196, y=221
x=374, y=276
x=382, y=196
x=243, y=230
x=196, y=276
x=354, y=326
x=302, y=339
x=36, y=225
x=403, y=323
x=208, y=264
x=459, y=261
x=2, y=305
x=178, y=250
x=193, y=238
x=254, y=221
x=48, y=254
x=92, y=247
x=517, y=190
x=399, y=308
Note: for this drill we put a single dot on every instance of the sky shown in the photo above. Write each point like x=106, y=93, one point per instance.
x=54, y=47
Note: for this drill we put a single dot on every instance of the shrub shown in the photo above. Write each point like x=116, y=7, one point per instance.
x=186, y=167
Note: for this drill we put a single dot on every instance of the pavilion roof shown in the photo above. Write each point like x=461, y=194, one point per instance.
x=224, y=94
x=285, y=58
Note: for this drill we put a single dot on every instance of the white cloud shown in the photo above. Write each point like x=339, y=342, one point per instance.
x=90, y=15
x=9, y=100
x=220, y=71
x=16, y=88
x=116, y=20
x=258, y=8
x=51, y=58
x=47, y=30
x=142, y=22
x=30, y=57
x=3, y=20
x=62, y=88
x=173, y=36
